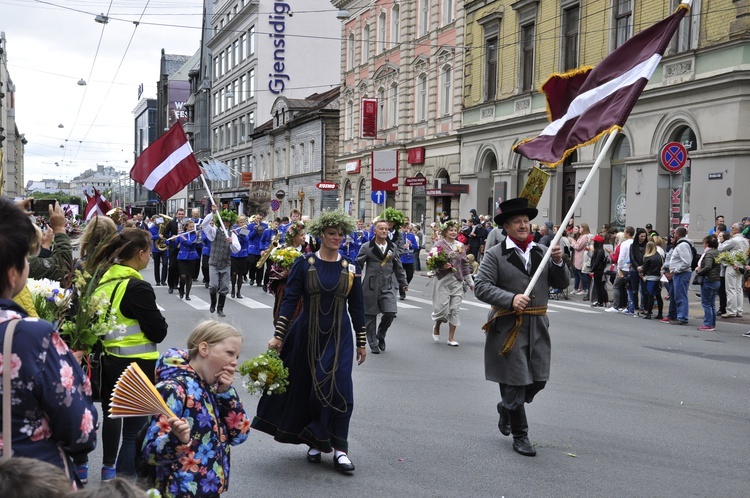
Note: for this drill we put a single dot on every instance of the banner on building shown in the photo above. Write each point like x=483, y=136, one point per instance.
x=369, y=127
x=385, y=170
x=535, y=184
x=259, y=200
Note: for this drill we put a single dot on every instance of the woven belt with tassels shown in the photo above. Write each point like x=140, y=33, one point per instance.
x=513, y=334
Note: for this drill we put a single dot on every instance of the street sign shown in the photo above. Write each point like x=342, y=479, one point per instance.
x=384, y=170
x=327, y=186
x=275, y=205
x=280, y=194
x=378, y=196
x=415, y=181
x=673, y=156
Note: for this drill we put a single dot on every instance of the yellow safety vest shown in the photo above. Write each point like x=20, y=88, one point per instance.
x=132, y=343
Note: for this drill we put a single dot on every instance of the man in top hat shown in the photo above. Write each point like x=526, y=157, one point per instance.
x=517, y=357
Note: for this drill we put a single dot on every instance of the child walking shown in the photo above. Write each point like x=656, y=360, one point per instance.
x=191, y=453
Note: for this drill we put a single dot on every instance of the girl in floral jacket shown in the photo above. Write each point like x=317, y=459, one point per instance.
x=191, y=453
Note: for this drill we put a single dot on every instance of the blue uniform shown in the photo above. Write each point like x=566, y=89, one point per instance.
x=253, y=238
x=410, y=243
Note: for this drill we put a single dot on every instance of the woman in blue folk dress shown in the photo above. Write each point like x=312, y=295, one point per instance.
x=318, y=348
x=188, y=257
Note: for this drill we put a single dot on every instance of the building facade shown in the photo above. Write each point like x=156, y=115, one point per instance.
x=409, y=56
x=144, y=200
x=699, y=96
x=12, y=142
x=260, y=51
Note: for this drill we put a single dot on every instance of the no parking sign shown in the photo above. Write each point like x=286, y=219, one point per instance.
x=275, y=205
x=673, y=156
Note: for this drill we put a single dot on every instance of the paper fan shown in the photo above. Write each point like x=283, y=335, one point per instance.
x=135, y=396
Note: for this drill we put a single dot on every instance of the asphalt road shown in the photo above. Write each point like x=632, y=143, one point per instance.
x=633, y=408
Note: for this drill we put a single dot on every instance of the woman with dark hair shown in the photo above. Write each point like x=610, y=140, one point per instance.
x=140, y=327
x=318, y=348
x=652, y=263
x=637, y=251
x=598, y=266
x=52, y=416
x=710, y=270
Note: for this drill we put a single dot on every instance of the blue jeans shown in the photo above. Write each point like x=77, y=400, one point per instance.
x=708, y=301
x=681, y=282
x=635, y=284
x=672, y=313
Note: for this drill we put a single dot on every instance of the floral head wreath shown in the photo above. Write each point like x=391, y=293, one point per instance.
x=331, y=219
x=444, y=227
x=227, y=215
x=294, y=229
x=393, y=215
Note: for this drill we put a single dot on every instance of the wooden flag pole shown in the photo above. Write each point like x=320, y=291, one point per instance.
x=573, y=207
x=211, y=196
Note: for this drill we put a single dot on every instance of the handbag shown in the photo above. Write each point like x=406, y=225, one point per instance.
x=7, y=391
x=698, y=279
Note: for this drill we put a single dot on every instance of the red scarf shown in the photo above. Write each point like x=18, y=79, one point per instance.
x=522, y=244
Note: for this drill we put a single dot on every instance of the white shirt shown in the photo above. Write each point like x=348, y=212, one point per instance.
x=382, y=248
x=525, y=255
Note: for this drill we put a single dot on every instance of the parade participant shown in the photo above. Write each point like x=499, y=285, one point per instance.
x=256, y=228
x=295, y=239
x=286, y=222
x=517, y=347
x=417, y=231
x=410, y=243
x=197, y=386
x=358, y=237
x=318, y=349
x=219, y=264
x=239, y=259
x=195, y=215
x=173, y=228
x=139, y=223
x=395, y=220
x=161, y=258
x=60, y=262
x=50, y=397
x=450, y=285
x=271, y=236
x=378, y=260
x=133, y=304
x=205, y=255
x=187, y=257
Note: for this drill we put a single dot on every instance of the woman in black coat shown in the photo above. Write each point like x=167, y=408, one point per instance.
x=598, y=265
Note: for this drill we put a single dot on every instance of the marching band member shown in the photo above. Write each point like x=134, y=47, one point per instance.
x=256, y=229
x=239, y=259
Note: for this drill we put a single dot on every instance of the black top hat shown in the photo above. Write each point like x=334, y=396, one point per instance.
x=514, y=207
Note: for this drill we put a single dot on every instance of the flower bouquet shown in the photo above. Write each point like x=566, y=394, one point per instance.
x=437, y=258
x=265, y=374
x=285, y=257
x=50, y=301
x=90, y=320
x=732, y=258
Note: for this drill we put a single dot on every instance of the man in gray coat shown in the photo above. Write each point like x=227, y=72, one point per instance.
x=517, y=355
x=379, y=262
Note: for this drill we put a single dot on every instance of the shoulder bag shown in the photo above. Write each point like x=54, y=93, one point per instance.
x=7, y=391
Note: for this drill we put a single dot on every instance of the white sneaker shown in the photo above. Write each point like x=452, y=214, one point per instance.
x=612, y=310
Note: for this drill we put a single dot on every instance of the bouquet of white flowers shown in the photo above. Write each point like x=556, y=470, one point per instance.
x=50, y=301
x=265, y=374
x=732, y=258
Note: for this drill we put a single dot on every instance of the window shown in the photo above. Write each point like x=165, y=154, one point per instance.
x=570, y=19
x=381, y=108
x=684, y=38
x=305, y=163
x=217, y=107
x=447, y=97
x=250, y=123
x=243, y=85
x=251, y=40
x=350, y=120
x=312, y=153
x=243, y=46
x=227, y=59
x=490, y=66
x=217, y=68
x=395, y=33
x=251, y=84
x=623, y=21
x=424, y=17
x=236, y=91
x=243, y=129
x=393, y=106
x=366, y=44
x=222, y=63
x=350, y=52
x=618, y=193
x=220, y=142
x=235, y=53
x=235, y=132
x=381, y=33
x=422, y=98
x=526, y=70
x=222, y=100
x=447, y=12
x=228, y=136
x=228, y=92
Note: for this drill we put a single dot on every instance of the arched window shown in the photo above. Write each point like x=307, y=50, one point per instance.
x=348, y=198
x=686, y=136
x=381, y=108
x=350, y=52
x=618, y=193
x=395, y=34
x=361, y=199
x=446, y=85
x=422, y=98
x=366, y=44
x=393, y=106
x=349, y=120
x=381, y=33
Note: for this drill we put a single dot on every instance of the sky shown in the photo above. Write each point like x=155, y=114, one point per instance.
x=51, y=45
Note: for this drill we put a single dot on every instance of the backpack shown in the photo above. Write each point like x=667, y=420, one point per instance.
x=696, y=256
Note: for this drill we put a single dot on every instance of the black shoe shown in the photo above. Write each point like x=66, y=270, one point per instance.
x=313, y=458
x=381, y=343
x=158, y=284
x=342, y=467
x=374, y=350
x=213, y=303
x=164, y=283
x=220, y=307
x=182, y=295
x=171, y=290
x=504, y=423
x=239, y=296
x=401, y=298
x=206, y=285
x=519, y=427
x=232, y=294
x=187, y=298
x=647, y=316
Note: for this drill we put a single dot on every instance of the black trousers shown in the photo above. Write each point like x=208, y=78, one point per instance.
x=409, y=269
x=161, y=266
x=513, y=397
x=204, y=268
x=622, y=286
x=173, y=277
x=253, y=273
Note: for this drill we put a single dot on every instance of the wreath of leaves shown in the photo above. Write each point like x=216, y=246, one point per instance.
x=331, y=219
x=393, y=215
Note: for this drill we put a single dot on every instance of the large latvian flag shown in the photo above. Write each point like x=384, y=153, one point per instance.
x=96, y=204
x=585, y=104
x=168, y=164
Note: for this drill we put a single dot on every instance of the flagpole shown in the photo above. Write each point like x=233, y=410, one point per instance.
x=572, y=210
x=211, y=196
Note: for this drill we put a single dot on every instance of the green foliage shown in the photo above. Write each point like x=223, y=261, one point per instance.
x=331, y=219
x=393, y=215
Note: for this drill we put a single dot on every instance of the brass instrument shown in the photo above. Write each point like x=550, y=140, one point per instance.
x=161, y=244
x=116, y=215
x=273, y=245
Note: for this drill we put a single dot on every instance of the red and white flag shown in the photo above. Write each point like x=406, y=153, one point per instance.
x=588, y=103
x=167, y=165
x=96, y=204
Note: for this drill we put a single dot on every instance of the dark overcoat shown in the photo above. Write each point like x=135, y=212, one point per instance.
x=501, y=276
x=379, y=288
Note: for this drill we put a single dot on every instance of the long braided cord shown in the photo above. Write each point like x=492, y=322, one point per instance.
x=513, y=334
x=319, y=340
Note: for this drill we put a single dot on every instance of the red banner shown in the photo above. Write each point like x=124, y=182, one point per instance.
x=369, y=118
x=415, y=155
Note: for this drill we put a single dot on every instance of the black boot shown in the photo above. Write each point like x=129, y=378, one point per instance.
x=504, y=423
x=520, y=429
x=213, y=302
x=239, y=288
x=220, y=308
